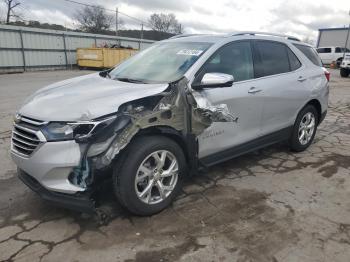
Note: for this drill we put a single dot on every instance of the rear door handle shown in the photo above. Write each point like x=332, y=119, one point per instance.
x=254, y=90
x=301, y=79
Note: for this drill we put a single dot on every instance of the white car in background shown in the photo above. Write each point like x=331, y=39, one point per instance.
x=332, y=54
x=345, y=66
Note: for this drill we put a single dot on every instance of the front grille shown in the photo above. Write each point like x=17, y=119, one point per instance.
x=25, y=138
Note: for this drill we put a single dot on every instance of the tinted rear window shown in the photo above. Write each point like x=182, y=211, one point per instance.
x=310, y=53
x=274, y=58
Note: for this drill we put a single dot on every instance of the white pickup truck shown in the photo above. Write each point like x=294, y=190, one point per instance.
x=345, y=66
x=332, y=54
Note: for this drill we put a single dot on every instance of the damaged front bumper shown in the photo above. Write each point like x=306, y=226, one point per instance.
x=51, y=164
x=82, y=202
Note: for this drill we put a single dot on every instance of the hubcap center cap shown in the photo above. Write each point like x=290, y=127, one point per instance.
x=157, y=174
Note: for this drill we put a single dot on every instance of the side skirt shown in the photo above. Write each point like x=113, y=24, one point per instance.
x=250, y=146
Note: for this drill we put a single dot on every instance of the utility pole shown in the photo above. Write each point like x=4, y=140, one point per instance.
x=116, y=21
x=347, y=39
x=141, y=36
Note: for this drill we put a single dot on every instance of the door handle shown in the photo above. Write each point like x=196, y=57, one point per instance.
x=301, y=79
x=254, y=90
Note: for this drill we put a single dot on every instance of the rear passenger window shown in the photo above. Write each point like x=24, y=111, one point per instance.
x=273, y=58
x=293, y=60
x=310, y=53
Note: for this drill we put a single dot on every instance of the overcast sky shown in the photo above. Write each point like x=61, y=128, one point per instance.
x=295, y=17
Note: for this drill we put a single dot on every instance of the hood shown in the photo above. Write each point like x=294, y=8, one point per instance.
x=84, y=98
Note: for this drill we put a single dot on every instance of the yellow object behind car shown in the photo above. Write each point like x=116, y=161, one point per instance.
x=102, y=57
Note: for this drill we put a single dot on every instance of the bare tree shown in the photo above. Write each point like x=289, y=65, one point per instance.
x=165, y=23
x=10, y=6
x=93, y=19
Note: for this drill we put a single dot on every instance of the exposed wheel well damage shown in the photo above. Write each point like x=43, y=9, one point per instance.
x=168, y=132
x=176, y=113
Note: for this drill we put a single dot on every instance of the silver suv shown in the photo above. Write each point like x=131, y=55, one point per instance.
x=181, y=105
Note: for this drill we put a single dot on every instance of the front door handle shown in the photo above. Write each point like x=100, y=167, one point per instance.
x=301, y=79
x=254, y=90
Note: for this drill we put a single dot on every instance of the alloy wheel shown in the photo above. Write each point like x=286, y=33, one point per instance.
x=306, y=128
x=156, y=177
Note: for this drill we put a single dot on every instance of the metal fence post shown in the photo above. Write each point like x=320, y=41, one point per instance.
x=22, y=47
x=65, y=49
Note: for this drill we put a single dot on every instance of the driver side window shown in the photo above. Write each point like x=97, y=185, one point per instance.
x=234, y=59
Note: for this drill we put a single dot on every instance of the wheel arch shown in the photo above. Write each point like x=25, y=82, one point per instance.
x=175, y=135
x=315, y=103
x=340, y=59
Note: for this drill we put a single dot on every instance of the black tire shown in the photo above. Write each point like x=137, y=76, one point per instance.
x=344, y=72
x=294, y=141
x=339, y=60
x=125, y=171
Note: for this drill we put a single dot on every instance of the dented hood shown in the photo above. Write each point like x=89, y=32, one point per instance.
x=84, y=98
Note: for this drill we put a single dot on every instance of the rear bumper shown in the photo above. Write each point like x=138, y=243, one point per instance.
x=79, y=202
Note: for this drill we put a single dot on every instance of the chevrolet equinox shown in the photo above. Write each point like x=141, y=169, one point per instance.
x=179, y=106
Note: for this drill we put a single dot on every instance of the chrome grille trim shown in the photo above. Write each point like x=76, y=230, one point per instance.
x=23, y=136
x=25, y=129
x=32, y=121
x=24, y=142
x=26, y=138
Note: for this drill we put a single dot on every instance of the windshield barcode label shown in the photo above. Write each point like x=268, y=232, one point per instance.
x=191, y=52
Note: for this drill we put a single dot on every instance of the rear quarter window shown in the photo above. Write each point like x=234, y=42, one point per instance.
x=310, y=53
x=293, y=60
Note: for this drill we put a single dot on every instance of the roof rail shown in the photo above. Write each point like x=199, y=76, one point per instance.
x=182, y=35
x=265, y=33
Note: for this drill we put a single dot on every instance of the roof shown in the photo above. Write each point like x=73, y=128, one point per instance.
x=333, y=28
x=213, y=38
x=197, y=38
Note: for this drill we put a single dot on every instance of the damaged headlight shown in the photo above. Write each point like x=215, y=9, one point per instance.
x=61, y=131
x=105, y=139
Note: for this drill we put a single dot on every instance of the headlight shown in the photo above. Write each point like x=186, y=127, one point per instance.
x=56, y=131
x=61, y=131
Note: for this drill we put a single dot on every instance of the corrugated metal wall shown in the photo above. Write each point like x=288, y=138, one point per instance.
x=333, y=37
x=27, y=49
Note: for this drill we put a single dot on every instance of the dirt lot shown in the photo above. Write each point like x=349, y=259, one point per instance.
x=270, y=205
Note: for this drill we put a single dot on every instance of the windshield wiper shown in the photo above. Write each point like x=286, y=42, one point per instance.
x=129, y=80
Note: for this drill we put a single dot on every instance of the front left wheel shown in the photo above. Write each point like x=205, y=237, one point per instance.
x=149, y=174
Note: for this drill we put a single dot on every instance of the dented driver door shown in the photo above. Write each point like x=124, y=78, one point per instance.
x=244, y=101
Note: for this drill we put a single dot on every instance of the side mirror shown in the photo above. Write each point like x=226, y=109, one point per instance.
x=214, y=80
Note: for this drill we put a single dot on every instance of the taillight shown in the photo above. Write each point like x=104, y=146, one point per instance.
x=327, y=74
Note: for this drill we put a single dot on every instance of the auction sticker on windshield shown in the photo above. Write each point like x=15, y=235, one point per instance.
x=191, y=52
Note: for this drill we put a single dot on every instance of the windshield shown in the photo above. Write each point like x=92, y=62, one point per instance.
x=163, y=62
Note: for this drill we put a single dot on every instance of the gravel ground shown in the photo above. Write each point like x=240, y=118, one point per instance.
x=270, y=205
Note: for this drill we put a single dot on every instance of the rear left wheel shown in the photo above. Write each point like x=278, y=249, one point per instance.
x=304, y=129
